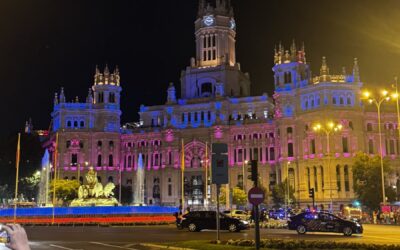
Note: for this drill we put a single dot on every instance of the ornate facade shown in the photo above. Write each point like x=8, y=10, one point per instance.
x=215, y=105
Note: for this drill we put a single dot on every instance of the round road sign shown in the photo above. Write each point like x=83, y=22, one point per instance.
x=256, y=196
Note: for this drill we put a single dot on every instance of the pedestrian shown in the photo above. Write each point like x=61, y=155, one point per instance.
x=374, y=215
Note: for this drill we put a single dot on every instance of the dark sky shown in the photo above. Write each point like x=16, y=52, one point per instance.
x=48, y=44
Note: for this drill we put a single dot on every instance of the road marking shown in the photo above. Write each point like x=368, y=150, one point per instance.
x=65, y=248
x=108, y=245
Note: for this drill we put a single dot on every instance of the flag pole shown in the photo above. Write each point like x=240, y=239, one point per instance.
x=183, y=176
x=17, y=176
x=206, y=182
x=55, y=177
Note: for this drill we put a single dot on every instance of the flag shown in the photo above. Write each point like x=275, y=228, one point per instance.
x=18, y=154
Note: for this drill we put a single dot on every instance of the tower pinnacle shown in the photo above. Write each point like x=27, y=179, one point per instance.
x=356, y=71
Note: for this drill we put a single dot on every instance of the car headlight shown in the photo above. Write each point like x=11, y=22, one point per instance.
x=244, y=222
x=358, y=225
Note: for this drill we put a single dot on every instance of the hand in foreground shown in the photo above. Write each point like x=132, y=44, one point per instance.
x=18, y=237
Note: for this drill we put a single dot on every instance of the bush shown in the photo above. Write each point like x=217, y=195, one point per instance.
x=302, y=244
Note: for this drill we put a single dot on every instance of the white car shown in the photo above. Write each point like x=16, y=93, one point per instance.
x=239, y=214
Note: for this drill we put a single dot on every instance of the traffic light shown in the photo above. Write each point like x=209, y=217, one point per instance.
x=311, y=193
x=253, y=170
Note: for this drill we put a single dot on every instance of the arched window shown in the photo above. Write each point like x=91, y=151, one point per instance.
x=288, y=77
x=111, y=97
x=333, y=99
x=349, y=100
x=69, y=124
x=308, y=179
x=99, y=161
x=341, y=100
x=338, y=183
x=111, y=143
x=206, y=89
x=322, y=177
x=110, y=160
x=289, y=130
x=370, y=146
x=129, y=161
x=75, y=124
x=315, y=179
x=82, y=124
x=100, y=97
x=346, y=178
x=99, y=143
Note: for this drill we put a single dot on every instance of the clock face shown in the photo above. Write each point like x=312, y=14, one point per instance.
x=233, y=24
x=208, y=20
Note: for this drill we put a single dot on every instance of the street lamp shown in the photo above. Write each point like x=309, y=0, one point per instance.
x=245, y=162
x=79, y=170
x=378, y=102
x=330, y=128
x=288, y=188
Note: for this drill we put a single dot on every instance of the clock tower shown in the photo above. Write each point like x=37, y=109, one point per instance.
x=214, y=71
x=215, y=31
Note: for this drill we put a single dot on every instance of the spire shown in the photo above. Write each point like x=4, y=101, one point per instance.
x=171, y=93
x=76, y=99
x=356, y=71
x=89, y=98
x=202, y=5
x=62, y=95
x=55, y=98
x=97, y=70
x=324, y=67
x=116, y=70
x=106, y=70
x=293, y=51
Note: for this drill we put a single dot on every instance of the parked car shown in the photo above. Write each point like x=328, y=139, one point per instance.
x=198, y=220
x=238, y=214
x=323, y=222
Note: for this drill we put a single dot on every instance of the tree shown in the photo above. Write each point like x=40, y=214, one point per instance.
x=279, y=194
x=367, y=182
x=239, y=197
x=66, y=190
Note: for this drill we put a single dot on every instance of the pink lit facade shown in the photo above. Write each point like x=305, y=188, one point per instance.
x=215, y=105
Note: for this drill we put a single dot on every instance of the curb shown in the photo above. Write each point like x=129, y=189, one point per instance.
x=164, y=247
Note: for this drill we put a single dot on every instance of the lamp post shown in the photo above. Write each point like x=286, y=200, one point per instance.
x=378, y=102
x=288, y=189
x=245, y=162
x=330, y=128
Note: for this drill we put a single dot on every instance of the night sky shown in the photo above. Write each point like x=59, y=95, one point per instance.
x=48, y=44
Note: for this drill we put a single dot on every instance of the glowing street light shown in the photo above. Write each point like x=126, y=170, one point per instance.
x=384, y=96
x=330, y=128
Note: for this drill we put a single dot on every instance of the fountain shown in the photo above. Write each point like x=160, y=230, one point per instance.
x=138, y=199
x=43, y=196
x=94, y=194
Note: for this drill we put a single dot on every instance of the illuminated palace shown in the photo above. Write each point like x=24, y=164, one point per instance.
x=215, y=105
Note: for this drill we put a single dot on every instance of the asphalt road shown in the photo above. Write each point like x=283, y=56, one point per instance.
x=99, y=238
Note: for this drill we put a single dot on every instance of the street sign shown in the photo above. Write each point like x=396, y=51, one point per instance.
x=256, y=196
x=219, y=163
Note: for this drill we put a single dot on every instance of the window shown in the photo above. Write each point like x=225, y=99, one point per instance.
x=206, y=89
x=240, y=155
x=370, y=146
x=312, y=146
x=110, y=179
x=111, y=98
x=322, y=177
x=315, y=179
x=346, y=179
x=110, y=160
x=129, y=161
x=100, y=97
x=99, y=143
x=75, y=124
x=391, y=147
x=338, y=184
x=255, y=154
x=272, y=154
x=99, y=162
x=290, y=149
x=333, y=100
x=69, y=124
x=341, y=100
x=288, y=77
x=74, y=159
x=369, y=126
x=68, y=144
x=308, y=179
x=348, y=100
x=82, y=124
x=345, y=144
x=111, y=143
x=204, y=56
x=289, y=130
x=351, y=125
x=169, y=190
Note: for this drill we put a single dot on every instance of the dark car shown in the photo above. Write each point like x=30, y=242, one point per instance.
x=323, y=222
x=199, y=220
